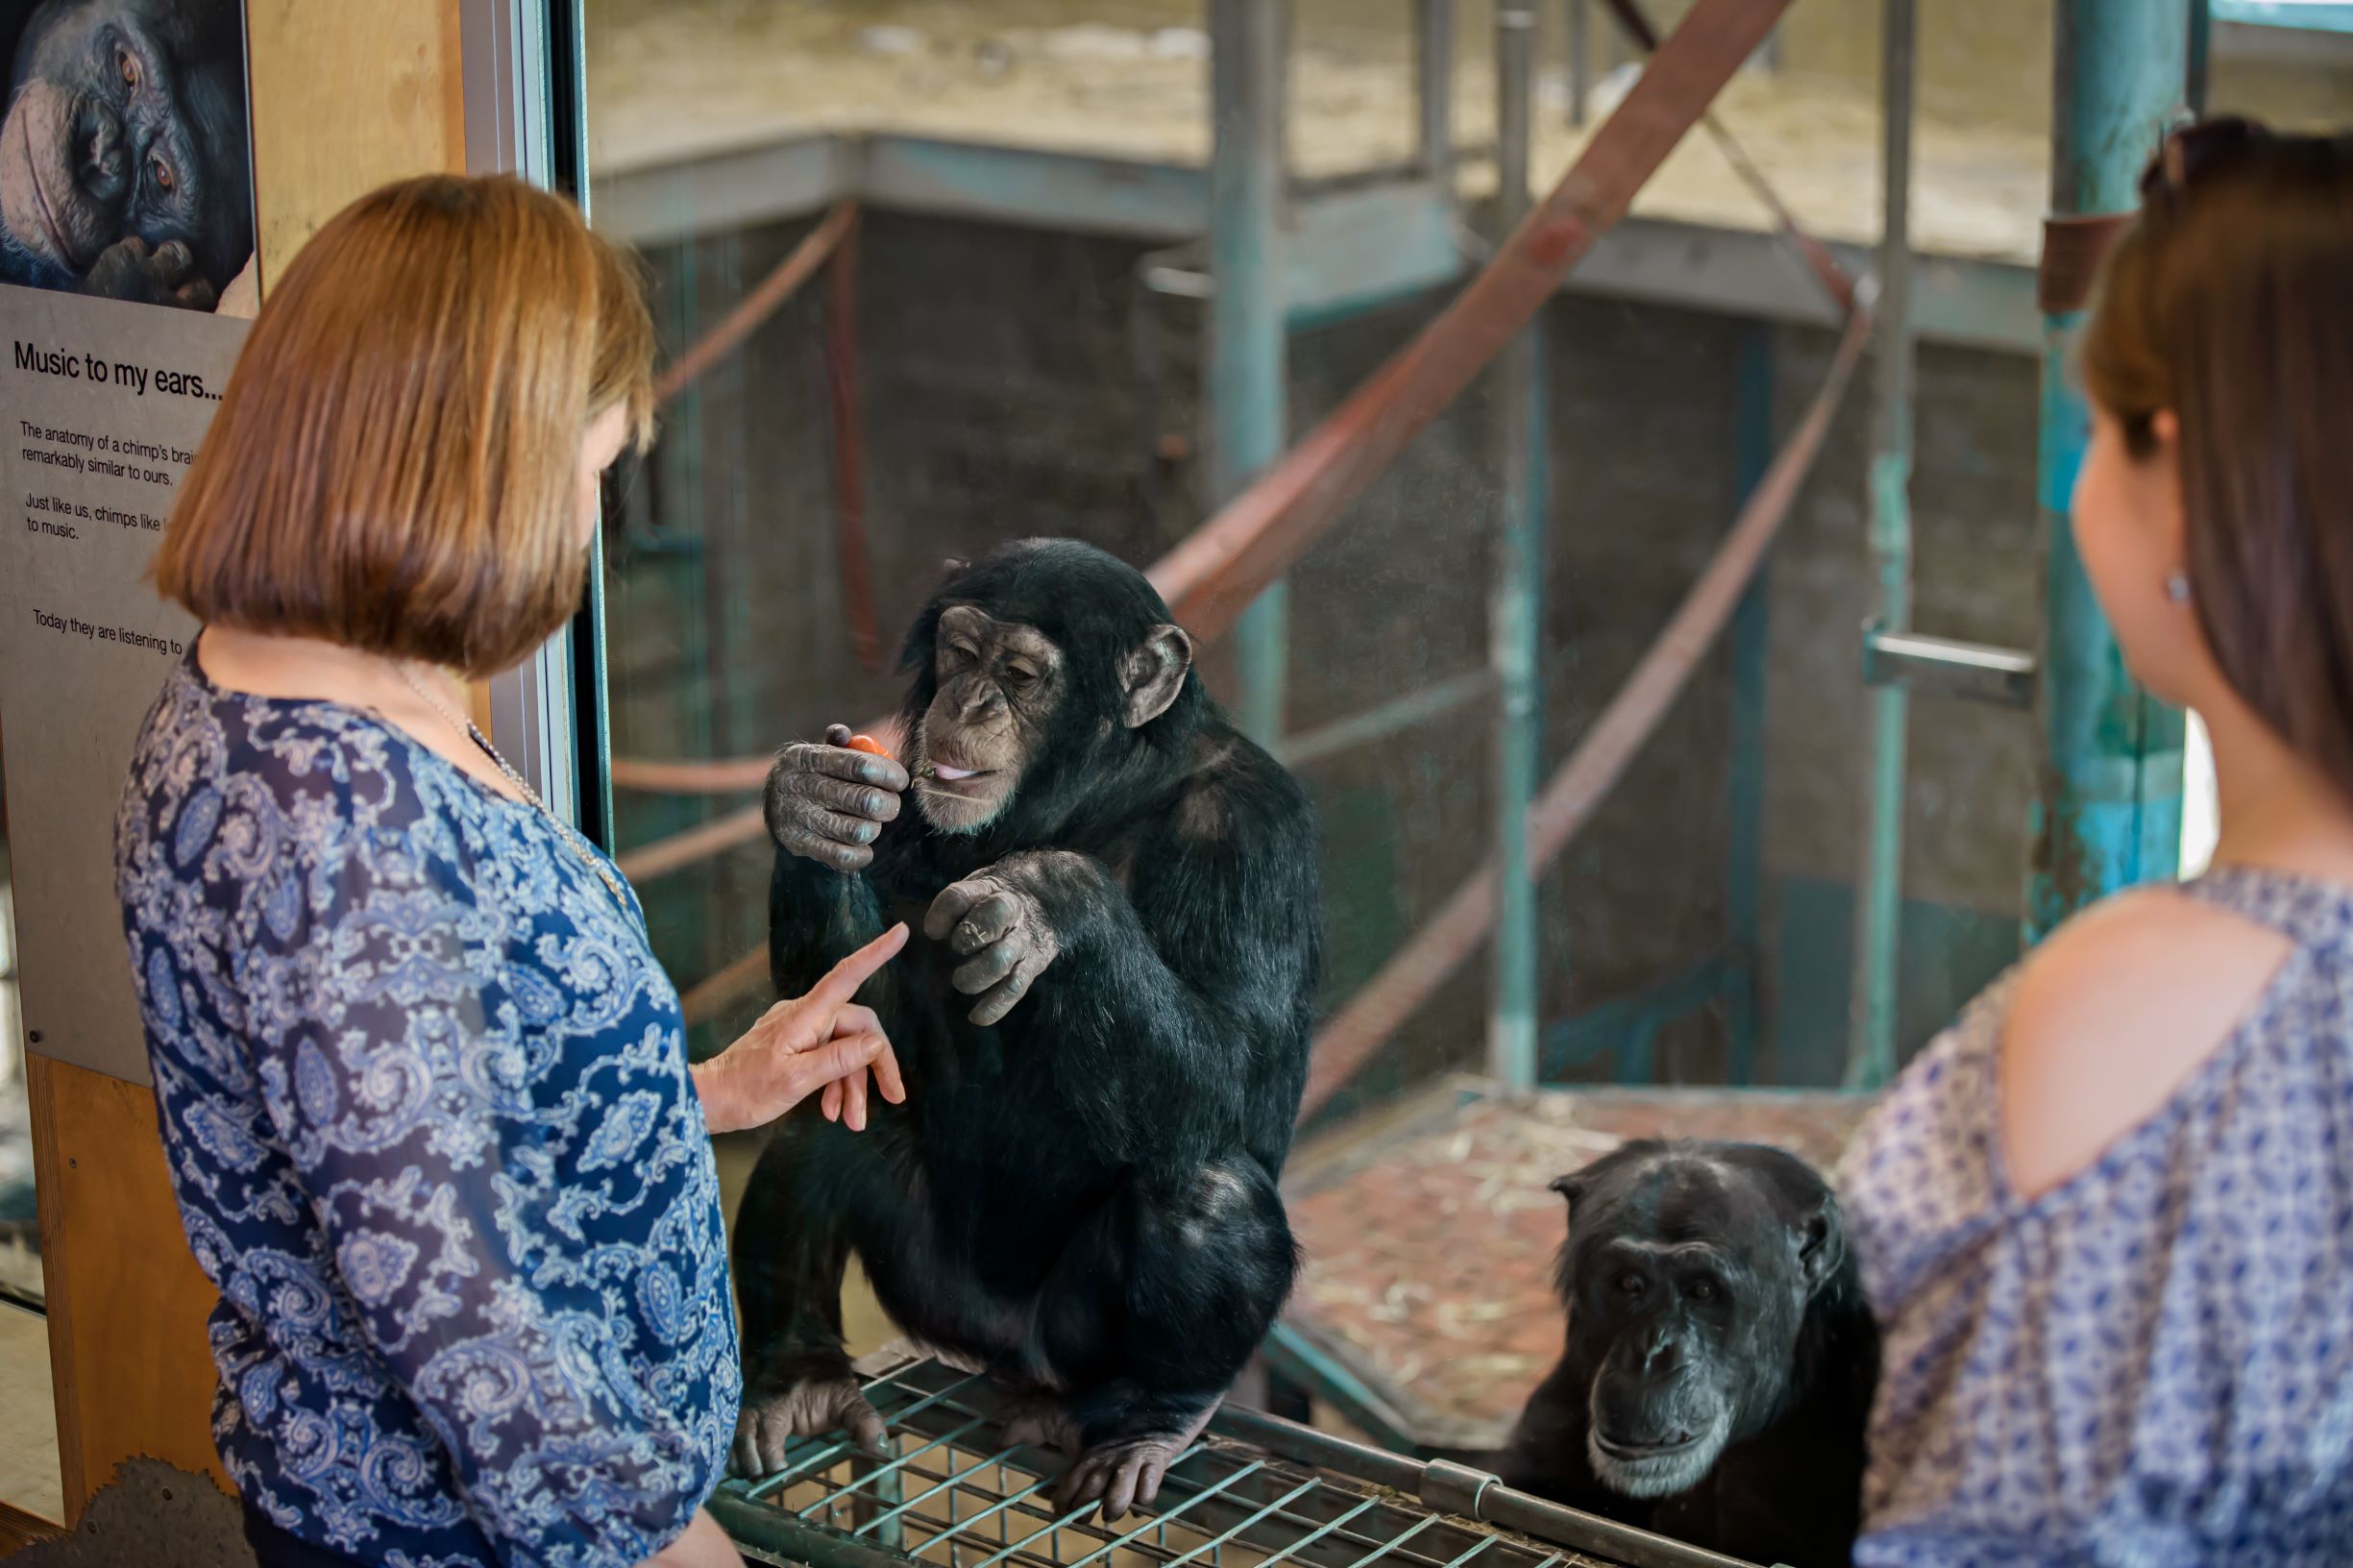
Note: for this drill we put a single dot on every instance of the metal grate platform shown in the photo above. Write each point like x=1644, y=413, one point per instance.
x=1255, y=1492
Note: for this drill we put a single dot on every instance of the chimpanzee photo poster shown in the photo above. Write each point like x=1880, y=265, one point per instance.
x=125, y=157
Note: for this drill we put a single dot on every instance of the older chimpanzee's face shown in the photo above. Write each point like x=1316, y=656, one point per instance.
x=1686, y=1276
x=998, y=684
x=127, y=118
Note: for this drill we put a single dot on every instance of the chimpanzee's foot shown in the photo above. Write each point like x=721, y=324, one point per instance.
x=1038, y=1420
x=775, y=1413
x=1126, y=1472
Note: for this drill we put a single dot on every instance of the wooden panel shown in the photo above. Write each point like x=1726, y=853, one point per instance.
x=19, y=1530
x=346, y=98
x=127, y=1303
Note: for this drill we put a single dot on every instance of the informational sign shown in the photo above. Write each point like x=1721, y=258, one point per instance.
x=127, y=264
x=101, y=409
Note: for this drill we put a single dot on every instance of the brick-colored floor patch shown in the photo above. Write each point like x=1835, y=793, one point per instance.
x=1431, y=1253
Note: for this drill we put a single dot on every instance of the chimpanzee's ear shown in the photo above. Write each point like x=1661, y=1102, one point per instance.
x=1571, y=1188
x=1153, y=672
x=952, y=566
x=1821, y=1241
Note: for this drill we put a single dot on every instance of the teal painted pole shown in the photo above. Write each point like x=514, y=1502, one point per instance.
x=1247, y=366
x=1878, y=888
x=2201, y=51
x=2108, y=812
x=1751, y=643
x=1515, y=615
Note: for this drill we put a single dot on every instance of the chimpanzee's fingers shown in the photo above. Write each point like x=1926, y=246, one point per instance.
x=173, y=261
x=808, y=846
x=950, y=906
x=990, y=965
x=1126, y=1481
x=841, y=827
x=986, y=922
x=851, y=797
x=864, y=1426
x=838, y=734
x=841, y=762
x=998, y=1002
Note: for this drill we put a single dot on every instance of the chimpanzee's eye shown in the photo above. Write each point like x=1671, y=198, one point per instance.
x=1704, y=1290
x=127, y=64
x=166, y=179
x=1630, y=1282
x=1020, y=677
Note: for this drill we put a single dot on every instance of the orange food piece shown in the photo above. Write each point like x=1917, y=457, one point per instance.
x=868, y=743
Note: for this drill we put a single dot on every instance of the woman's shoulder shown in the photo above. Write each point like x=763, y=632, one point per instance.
x=268, y=782
x=2112, y=1014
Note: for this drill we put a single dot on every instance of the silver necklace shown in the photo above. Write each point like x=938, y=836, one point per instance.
x=563, y=829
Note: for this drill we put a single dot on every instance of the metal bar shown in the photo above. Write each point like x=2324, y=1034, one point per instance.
x=2201, y=50
x=1318, y=1534
x=1254, y=539
x=1752, y=647
x=1217, y=1543
x=838, y=1449
x=1376, y=724
x=1576, y=790
x=1434, y=61
x=943, y=1485
x=1941, y=666
x=2109, y=811
x=1878, y=885
x=1465, y=1556
x=1514, y=617
x=1247, y=349
x=894, y=1466
x=840, y=332
x=1580, y=59
x=1160, y=1521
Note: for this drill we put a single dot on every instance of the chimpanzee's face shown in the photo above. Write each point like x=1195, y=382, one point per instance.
x=998, y=683
x=127, y=118
x=1687, y=1279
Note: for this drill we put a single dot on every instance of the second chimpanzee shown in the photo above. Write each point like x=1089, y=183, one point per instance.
x=1720, y=1359
x=1103, y=1029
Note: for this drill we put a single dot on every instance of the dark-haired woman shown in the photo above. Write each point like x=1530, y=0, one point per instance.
x=2107, y=1220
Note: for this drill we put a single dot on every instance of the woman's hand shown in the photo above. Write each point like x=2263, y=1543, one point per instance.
x=819, y=1041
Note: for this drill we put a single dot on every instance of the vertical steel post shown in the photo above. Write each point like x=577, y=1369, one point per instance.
x=1745, y=857
x=2108, y=813
x=1878, y=887
x=1514, y=612
x=1433, y=63
x=1580, y=59
x=1247, y=364
x=2201, y=49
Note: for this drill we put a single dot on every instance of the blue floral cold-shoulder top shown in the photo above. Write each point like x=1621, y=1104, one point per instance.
x=2151, y=1364
x=424, y=1094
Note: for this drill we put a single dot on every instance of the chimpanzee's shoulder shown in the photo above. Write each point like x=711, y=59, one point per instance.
x=1234, y=793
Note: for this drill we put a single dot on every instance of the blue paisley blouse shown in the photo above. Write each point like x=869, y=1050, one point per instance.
x=2151, y=1364
x=423, y=1093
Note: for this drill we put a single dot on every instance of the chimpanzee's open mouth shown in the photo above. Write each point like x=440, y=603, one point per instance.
x=1619, y=1449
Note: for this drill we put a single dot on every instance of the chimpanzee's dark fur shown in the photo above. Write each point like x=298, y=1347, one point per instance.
x=1080, y=1198
x=1771, y=1380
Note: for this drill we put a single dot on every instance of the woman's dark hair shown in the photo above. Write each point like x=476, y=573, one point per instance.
x=2230, y=302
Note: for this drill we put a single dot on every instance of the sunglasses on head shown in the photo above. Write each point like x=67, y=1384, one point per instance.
x=2193, y=150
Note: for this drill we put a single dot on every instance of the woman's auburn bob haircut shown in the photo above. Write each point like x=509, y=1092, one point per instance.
x=394, y=466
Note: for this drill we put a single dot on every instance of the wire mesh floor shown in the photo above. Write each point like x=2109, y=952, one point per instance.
x=951, y=1493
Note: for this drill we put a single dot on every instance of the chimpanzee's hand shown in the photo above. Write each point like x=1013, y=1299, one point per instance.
x=128, y=270
x=1010, y=921
x=827, y=803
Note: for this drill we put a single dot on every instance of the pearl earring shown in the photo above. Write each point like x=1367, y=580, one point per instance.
x=2177, y=587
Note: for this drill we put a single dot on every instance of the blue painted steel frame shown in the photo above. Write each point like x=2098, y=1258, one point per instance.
x=2109, y=811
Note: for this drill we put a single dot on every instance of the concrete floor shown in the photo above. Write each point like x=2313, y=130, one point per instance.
x=28, y=1417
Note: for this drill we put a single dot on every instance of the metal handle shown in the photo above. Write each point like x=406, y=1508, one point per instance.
x=2001, y=677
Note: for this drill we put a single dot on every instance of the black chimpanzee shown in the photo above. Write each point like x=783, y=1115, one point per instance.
x=124, y=166
x=1720, y=1359
x=1104, y=1039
